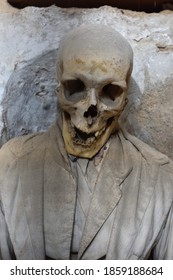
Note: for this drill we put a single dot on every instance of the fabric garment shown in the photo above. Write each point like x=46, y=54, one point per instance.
x=130, y=212
x=87, y=172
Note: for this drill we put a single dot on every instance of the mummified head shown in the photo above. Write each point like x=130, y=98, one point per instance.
x=93, y=70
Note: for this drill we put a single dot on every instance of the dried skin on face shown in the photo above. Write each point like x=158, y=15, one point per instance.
x=94, y=67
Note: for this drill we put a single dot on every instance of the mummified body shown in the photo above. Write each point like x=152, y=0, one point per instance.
x=86, y=189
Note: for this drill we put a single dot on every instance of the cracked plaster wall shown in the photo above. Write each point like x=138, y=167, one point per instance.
x=29, y=40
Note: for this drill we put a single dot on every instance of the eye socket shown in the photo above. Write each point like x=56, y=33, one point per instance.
x=110, y=93
x=74, y=90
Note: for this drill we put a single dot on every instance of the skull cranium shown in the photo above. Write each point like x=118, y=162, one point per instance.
x=93, y=70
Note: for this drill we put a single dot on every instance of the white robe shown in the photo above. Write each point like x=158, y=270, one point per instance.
x=130, y=212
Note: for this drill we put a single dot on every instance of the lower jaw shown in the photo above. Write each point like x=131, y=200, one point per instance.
x=78, y=148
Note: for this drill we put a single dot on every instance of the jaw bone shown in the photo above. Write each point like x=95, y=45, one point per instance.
x=78, y=144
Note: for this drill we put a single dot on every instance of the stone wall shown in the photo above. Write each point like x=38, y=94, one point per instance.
x=29, y=40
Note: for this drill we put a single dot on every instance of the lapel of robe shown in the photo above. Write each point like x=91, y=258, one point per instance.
x=60, y=198
x=133, y=234
x=115, y=168
x=31, y=180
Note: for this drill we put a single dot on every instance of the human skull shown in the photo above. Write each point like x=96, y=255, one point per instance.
x=93, y=70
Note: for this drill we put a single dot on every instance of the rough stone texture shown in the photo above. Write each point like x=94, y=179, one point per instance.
x=33, y=107
x=29, y=39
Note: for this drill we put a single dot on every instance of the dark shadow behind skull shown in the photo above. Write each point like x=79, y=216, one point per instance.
x=30, y=102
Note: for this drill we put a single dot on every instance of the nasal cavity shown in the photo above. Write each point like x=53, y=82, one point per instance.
x=92, y=112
